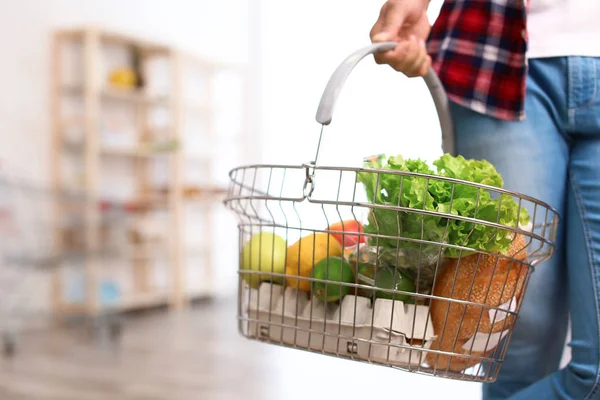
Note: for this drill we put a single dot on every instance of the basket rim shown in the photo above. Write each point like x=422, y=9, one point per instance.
x=392, y=172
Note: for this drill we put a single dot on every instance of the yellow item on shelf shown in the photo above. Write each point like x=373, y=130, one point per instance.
x=123, y=77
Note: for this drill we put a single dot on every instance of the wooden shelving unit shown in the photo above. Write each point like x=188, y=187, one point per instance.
x=94, y=92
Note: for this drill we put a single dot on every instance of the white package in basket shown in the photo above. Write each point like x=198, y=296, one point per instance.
x=384, y=332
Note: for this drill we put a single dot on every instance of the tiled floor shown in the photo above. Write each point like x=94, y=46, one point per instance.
x=197, y=354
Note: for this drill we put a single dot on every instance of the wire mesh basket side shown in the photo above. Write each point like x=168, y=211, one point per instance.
x=418, y=298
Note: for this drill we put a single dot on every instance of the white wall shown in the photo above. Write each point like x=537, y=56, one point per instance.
x=379, y=110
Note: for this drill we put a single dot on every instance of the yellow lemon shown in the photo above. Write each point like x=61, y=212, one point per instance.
x=305, y=253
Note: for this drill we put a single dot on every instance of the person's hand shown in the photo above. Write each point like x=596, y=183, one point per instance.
x=405, y=22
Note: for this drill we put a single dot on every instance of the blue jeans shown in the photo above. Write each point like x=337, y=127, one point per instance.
x=554, y=155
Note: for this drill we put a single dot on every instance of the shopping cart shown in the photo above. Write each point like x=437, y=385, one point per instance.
x=42, y=229
x=404, y=292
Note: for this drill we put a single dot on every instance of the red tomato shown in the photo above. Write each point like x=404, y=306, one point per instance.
x=347, y=239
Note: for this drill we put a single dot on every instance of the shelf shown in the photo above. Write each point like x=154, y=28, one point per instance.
x=209, y=194
x=201, y=193
x=141, y=300
x=108, y=151
x=133, y=96
x=129, y=302
x=147, y=251
x=156, y=299
x=147, y=47
x=158, y=129
x=72, y=308
x=202, y=200
x=111, y=37
x=135, y=153
x=128, y=40
x=205, y=63
x=126, y=95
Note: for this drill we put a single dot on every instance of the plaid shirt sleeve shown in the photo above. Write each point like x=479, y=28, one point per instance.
x=478, y=50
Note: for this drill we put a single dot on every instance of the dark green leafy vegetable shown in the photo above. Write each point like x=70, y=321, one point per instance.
x=431, y=194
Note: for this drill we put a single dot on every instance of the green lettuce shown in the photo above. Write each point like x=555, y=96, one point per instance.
x=440, y=196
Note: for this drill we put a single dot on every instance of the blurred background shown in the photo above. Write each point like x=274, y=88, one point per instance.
x=119, y=122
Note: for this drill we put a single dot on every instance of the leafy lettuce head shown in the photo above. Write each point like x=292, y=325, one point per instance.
x=430, y=194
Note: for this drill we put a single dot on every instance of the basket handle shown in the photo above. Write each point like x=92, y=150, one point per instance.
x=334, y=86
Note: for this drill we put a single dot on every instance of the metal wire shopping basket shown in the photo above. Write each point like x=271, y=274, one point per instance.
x=403, y=292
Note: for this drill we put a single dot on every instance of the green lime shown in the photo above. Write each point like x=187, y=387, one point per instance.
x=331, y=269
x=393, y=279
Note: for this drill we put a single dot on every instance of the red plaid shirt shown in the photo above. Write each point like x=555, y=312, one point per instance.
x=478, y=50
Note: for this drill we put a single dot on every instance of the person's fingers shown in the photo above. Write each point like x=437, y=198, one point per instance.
x=378, y=36
x=425, y=67
x=409, y=54
x=390, y=21
x=394, y=56
x=376, y=31
x=406, y=54
x=412, y=68
x=392, y=18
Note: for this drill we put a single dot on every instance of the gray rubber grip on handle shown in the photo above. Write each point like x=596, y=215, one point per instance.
x=337, y=80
